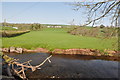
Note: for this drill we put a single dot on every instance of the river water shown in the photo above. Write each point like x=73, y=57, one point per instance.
x=70, y=66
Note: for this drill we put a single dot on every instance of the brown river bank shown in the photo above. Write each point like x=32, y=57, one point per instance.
x=88, y=52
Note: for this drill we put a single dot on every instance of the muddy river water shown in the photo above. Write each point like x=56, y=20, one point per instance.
x=70, y=66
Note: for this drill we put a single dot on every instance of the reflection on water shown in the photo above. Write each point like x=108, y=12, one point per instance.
x=71, y=66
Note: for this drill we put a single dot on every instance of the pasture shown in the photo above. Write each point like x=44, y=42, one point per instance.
x=52, y=38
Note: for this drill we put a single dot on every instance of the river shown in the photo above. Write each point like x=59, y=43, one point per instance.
x=70, y=66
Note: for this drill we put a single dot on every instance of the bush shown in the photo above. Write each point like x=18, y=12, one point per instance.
x=95, y=32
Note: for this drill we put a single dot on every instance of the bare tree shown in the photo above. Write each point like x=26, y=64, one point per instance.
x=100, y=10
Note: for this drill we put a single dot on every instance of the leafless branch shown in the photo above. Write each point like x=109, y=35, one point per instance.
x=21, y=67
x=108, y=7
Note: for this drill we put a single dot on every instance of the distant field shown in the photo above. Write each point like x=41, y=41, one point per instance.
x=52, y=38
x=7, y=28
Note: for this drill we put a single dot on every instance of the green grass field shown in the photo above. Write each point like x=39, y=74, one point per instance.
x=52, y=38
x=7, y=28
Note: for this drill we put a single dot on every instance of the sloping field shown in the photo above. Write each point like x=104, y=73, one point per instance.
x=52, y=38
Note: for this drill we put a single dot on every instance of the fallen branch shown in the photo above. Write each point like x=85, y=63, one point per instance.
x=21, y=67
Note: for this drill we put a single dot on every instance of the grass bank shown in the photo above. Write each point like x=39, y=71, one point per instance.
x=7, y=33
x=52, y=38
